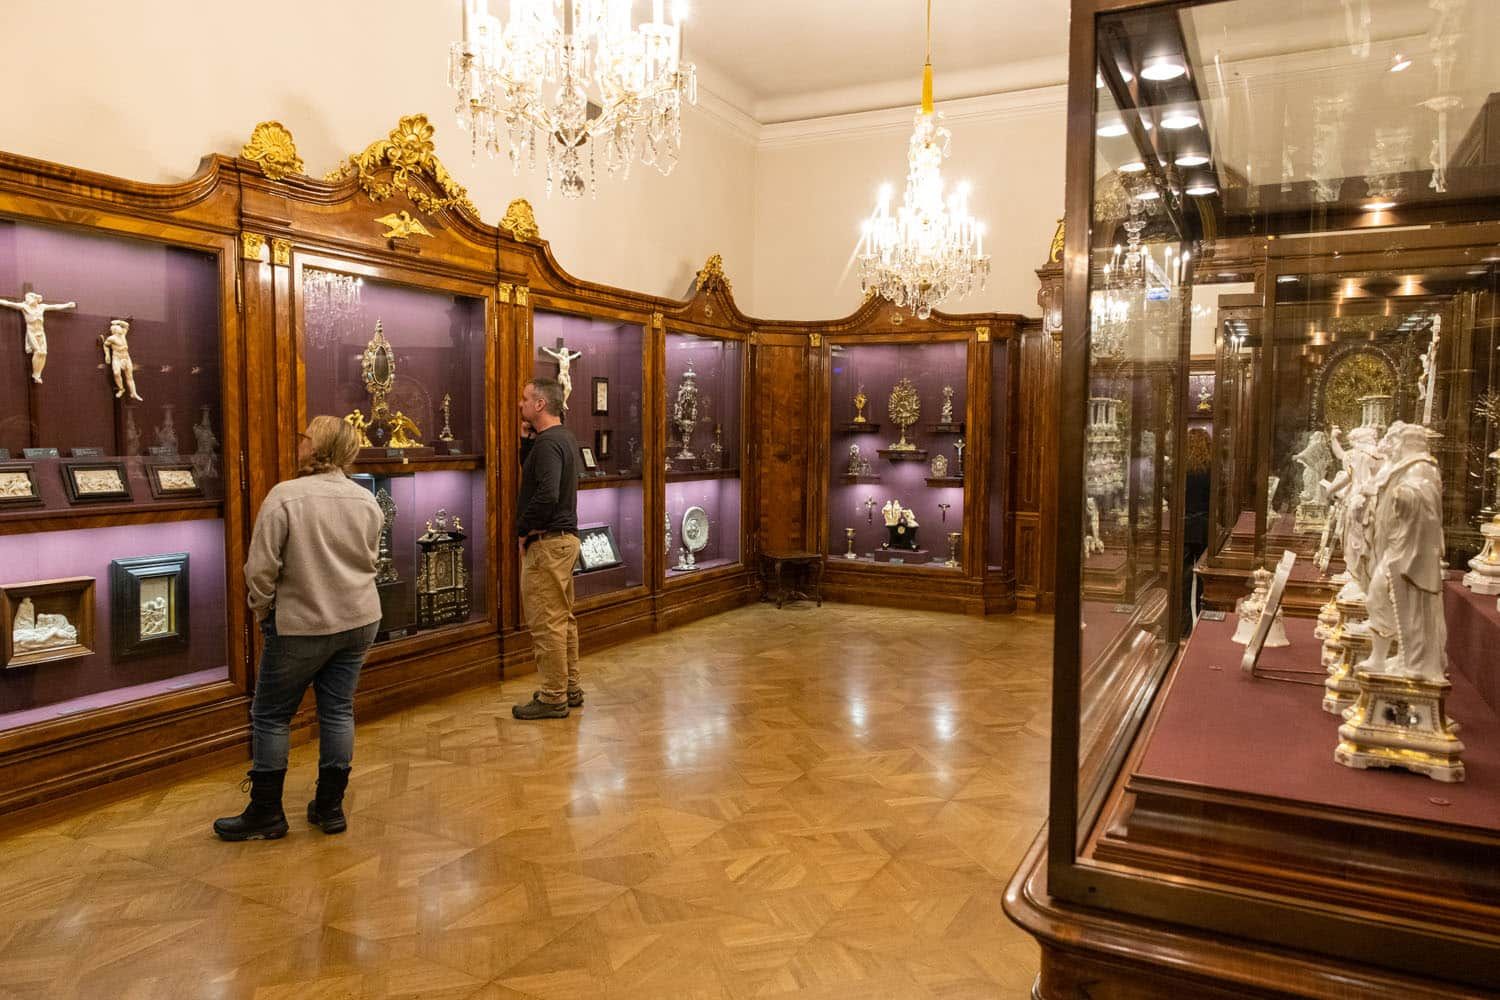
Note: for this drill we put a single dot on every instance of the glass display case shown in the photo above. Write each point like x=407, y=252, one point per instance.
x=110, y=456
x=406, y=366
x=999, y=543
x=704, y=403
x=604, y=363
x=1311, y=767
x=898, y=420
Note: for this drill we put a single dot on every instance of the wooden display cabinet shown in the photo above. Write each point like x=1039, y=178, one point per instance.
x=1202, y=838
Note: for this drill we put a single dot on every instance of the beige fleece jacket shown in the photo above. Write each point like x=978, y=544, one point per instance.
x=312, y=556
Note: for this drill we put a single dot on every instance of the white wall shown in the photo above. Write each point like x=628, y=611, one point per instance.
x=817, y=181
x=142, y=89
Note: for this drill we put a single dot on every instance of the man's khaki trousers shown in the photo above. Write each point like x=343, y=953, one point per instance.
x=547, y=602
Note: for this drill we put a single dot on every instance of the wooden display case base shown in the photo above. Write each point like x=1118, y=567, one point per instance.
x=1088, y=952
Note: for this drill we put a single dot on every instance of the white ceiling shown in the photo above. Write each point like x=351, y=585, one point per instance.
x=782, y=60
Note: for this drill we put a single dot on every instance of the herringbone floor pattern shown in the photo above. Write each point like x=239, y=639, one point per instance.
x=811, y=803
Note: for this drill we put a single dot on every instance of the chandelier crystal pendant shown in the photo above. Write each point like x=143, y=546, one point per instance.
x=931, y=247
x=562, y=77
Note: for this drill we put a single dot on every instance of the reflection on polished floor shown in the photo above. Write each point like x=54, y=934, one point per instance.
x=806, y=803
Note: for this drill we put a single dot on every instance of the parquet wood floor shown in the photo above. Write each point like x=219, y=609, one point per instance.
x=811, y=803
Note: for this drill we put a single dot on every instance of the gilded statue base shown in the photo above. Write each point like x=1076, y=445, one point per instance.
x=1329, y=619
x=1401, y=722
x=1347, y=645
x=1484, y=569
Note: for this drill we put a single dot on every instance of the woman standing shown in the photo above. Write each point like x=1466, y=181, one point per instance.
x=311, y=580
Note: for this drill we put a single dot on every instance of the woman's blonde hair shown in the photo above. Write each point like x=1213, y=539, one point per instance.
x=1200, y=455
x=335, y=445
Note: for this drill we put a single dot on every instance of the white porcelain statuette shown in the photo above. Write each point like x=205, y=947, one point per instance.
x=1315, y=458
x=34, y=311
x=116, y=346
x=1405, y=593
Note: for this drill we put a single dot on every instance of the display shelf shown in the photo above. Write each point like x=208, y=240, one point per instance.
x=899, y=455
x=853, y=428
x=674, y=573
x=860, y=479
x=688, y=477
x=104, y=515
x=956, y=429
x=945, y=481
x=421, y=463
x=606, y=482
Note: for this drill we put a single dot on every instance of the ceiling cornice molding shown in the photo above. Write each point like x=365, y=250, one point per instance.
x=726, y=114
x=990, y=107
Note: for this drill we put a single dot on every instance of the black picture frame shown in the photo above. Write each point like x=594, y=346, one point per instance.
x=602, y=438
x=163, y=576
x=588, y=535
x=11, y=474
x=172, y=490
x=599, y=397
x=590, y=464
x=78, y=493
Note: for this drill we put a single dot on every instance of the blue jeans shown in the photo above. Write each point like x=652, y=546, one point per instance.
x=330, y=663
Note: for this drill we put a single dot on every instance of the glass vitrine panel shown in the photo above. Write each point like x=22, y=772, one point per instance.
x=899, y=430
x=704, y=400
x=604, y=362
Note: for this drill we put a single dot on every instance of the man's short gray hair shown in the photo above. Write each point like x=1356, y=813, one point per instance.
x=550, y=389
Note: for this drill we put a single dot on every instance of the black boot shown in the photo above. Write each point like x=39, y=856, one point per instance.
x=327, y=809
x=262, y=818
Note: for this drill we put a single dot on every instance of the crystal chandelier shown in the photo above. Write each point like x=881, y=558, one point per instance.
x=930, y=248
x=566, y=75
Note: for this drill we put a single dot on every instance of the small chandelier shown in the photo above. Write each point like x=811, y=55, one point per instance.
x=567, y=75
x=930, y=249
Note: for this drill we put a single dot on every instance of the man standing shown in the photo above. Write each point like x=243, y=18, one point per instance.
x=547, y=526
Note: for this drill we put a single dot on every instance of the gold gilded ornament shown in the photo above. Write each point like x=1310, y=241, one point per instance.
x=272, y=147
x=520, y=221
x=904, y=407
x=712, y=275
x=400, y=225
x=408, y=152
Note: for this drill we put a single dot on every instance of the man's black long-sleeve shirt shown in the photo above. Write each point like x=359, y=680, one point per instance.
x=549, y=482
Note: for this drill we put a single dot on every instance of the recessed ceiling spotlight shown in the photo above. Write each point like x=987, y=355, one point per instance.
x=1177, y=120
x=1163, y=68
x=1133, y=167
x=1202, y=190
x=1191, y=160
x=1493, y=258
x=1378, y=206
x=1111, y=129
x=1149, y=194
x=1480, y=270
x=1400, y=61
x=1285, y=279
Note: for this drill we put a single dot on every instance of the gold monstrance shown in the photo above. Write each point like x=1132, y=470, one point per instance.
x=385, y=427
x=860, y=399
x=904, y=408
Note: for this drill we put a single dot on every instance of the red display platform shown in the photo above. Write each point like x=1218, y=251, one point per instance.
x=1473, y=638
x=1219, y=729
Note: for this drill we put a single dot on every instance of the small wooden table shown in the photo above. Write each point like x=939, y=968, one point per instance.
x=780, y=560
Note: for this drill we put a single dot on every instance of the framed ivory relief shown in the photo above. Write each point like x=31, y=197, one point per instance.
x=173, y=480
x=43, y=621
x=18, y=485
x=91, y=482
x=148, y=604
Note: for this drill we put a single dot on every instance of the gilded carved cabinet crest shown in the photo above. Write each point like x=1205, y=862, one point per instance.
x=408, y=151
x=272, y=147
x=520, y=221
x=712, y=274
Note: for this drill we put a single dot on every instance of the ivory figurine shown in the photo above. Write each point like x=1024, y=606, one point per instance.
x=117, y=355
x=34, y=311
x=564, y=359
x=1361, y=460
x=1405, y=594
